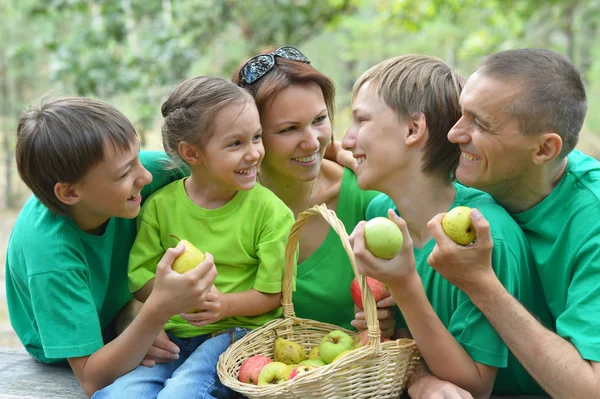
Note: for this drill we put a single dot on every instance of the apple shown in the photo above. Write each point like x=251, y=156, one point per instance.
x=251, y=368
x=363, y=338
x=301, y=369
x=457, y=225
x=383, y=238
x=378, y=289
x=333, y=344
x=341, y=355
x=313, y=362
x=274, y=373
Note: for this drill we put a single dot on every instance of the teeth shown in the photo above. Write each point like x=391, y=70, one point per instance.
x=133, y=197
x=246, y=172
x=306, y=159
x=360, y=160
x=469, y=157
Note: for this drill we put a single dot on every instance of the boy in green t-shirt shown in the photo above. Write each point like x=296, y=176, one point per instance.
x=402, y=111
x=213, y=127
x=66, y=265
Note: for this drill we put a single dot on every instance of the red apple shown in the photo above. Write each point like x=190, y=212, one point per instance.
x=363, y=338
x=251, y=368
x=300, y=369
x=378, y=289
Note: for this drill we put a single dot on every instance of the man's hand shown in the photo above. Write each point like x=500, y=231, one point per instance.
x=162, y=351
x=213, y=310
x=463, y=266
x=385, y=315
x=389, y=271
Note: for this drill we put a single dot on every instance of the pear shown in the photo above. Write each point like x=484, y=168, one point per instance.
x=189, y=258
x=288, y=352
x=457, y=225
x=314, y=353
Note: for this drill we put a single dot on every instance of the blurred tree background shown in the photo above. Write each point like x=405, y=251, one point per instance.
x=130, y=53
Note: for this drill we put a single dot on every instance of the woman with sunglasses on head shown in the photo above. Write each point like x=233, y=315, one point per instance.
x=296, y=104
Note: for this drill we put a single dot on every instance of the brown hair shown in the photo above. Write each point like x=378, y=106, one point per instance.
x=286, y=73
x=412, y=84
x=552, y=98
x=63, y=139
x=191, y=111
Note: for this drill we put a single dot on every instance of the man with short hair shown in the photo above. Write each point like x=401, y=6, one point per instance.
x=522, y=113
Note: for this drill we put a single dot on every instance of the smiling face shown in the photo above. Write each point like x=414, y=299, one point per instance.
x=296, y=132
x=376, y=139
x=495, y=157
x=111, y=188
x=231, y=157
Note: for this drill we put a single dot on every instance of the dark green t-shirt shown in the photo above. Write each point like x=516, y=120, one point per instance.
x=64, y=287
x=564, y=233
x=323, y=280
x=513, y=264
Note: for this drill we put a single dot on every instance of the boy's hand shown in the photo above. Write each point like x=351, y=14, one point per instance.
x=431, y=387
x=336, y=153
x=162, y=351
x=385, y=315
x=391, y=272
x=213, y=310
x=174, y=293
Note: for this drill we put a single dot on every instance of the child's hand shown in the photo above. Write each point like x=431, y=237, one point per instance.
x=388, y=271
x=162, y=351
x=385, y=315
x=213, y=310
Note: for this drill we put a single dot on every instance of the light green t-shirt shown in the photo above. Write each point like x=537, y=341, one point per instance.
x=64, y=287
x=323, y=280
x=564, y=233
x=247, y=237
x=513, y=264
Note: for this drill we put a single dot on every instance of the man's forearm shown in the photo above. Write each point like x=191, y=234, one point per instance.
x=551, y=360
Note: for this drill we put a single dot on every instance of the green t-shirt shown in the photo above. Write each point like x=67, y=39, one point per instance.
x=564, y=233
x=513, y=264
x=247, y=237
x=323, y=280
x=64, y=287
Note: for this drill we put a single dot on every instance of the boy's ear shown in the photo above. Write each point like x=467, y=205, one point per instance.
x=67, y=193
x=548, y=147
x=416, y=130
x=189, y=152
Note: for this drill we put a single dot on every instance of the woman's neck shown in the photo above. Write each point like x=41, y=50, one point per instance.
x=296, y=194
x=418, y=200
x=206, y=193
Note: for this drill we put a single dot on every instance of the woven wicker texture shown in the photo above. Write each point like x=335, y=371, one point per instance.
x=376, y=370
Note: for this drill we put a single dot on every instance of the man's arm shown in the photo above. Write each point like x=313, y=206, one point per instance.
x=551, y=360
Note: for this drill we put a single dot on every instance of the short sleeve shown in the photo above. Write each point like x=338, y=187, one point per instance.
x=271, y=255
x=580, y=322
x=66, y=314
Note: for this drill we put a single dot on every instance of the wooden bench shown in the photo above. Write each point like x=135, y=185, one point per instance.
x=23, y=377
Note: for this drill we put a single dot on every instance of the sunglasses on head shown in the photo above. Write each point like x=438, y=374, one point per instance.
x=259, y=65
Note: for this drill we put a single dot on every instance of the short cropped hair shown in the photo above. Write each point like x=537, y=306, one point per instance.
x=63, y=139
x=412, y=84
x=552, y=97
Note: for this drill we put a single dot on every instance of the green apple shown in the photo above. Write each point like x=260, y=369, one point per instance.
x=288, y=352
x=457, y=225
x=341, y=355
x=274, y=373
x=383, y=238
x=313, y=362
x=333, y=344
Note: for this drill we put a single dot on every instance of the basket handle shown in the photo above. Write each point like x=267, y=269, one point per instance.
x=290, y=261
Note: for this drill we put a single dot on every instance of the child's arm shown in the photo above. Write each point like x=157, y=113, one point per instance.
x=218, y=306
x=334, y=152
x=444, y=355
x=172, y=294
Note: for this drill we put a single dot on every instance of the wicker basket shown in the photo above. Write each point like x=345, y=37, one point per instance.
x=377, y=370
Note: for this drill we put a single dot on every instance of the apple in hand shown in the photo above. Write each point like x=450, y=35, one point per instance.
x=378, y=289
x=383, y=238
x=251, y=368
x=333, y=344
x=274, y=373
x=301, y=369
x=457, y=225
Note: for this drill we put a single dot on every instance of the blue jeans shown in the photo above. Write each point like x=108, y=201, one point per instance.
x=193, y=375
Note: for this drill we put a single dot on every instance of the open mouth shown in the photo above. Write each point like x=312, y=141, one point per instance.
x=307, y=160
x=248, y=172
x=136, y=198
x=469, y=157
x=360, y=159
